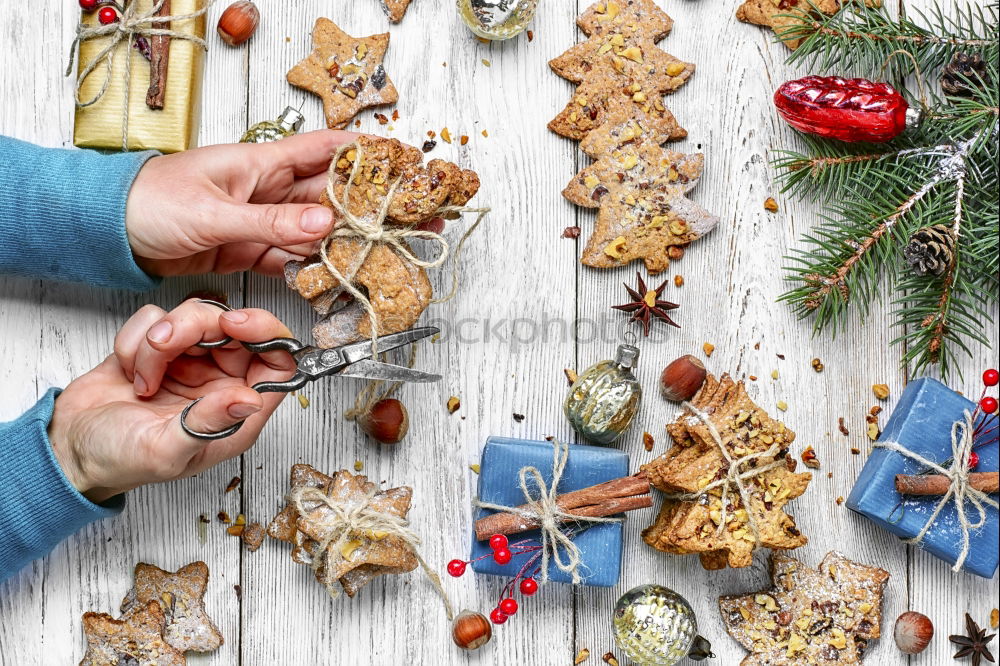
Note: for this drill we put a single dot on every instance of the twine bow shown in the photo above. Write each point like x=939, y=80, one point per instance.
x=962, y=441
x=556, y=544
x=130, y=25
x=349, y=520
x=733, y=476
x=372, y=230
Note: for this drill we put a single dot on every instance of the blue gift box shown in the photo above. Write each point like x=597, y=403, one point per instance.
x=600, y=546
x=922, y=423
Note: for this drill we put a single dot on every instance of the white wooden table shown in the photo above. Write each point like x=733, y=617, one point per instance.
x=520, y=276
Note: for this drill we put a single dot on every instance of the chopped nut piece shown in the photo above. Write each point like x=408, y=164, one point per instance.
x=994, y=618
x=678, y=280
x=518, y=417
x=774, y=374
x=241, y=519
x=840, y=500
x=674, y=68
x=233, y=483
x=395, y=114
x=843, y=428
x=474, y=468
x=303, y=401
x=817, y=365
x=584, y=654
x=382, y=118
x=485, y=133
x=647, y=441
x=486, y=62
x=571, y=232
x=428, y=146
x=809, y=458
x=531, y=37
x=875, y=410
x=752, y=378
x=771, y=205
x=235, y=530
x=464, y=139
x=708, y=348
x=855, y=450
x=358, y=465
x=609, y=658
x=881, y=391
x=873, y=431
x=782, y=405
x=453, y=404
x=446, y=135
x=571, y=375
x=224, y=517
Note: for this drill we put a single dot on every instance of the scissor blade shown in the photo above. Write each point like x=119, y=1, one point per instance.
x=361, y=350
x=369, y=369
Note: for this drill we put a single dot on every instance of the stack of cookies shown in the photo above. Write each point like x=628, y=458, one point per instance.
x=702, y=516
x=618, y=115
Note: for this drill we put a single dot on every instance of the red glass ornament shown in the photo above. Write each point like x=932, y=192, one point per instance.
x=501, y=556
x=498, y=616
x=529, y=586
x=988, y=404
x=508, y=606
x=456, y=568
x=498, y=541
x=991, y=377
x=973, y=460
x=845, y=109
x=88, y=5
x=107, y=16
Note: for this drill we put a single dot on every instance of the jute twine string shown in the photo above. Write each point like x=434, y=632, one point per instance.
x=734, y=478
x=350, y=520
x=373, y=231
x=131, y=24
x=962, y=441
x=556, y=544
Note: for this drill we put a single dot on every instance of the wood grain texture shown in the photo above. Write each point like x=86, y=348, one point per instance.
x=526, y=310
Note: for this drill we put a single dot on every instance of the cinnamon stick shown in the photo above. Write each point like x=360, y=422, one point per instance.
x=938, y=484
x=159, y=58
x=604, y=499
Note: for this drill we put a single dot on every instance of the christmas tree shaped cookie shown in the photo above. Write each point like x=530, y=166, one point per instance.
x=640, y=190
x=810, y=616
x=135, y=639
x=702, y=516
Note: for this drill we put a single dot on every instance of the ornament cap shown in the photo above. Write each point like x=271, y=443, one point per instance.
x=627, y=356
x=700, y=649
x=914, y=117
x=291, y=119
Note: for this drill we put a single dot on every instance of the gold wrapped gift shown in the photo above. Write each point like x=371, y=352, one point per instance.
x=103, y=124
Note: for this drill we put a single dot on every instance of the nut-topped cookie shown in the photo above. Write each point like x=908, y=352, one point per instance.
x=810, y=616
x=135, y=639
x=640, y=191
x=345, y=72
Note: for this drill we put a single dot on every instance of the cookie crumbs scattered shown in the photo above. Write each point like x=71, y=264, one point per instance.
x=873, y=431
x=855, y=450
x=464, y=139
x=875, y=410
x=303, y=401
x=474, y=468
x=647, y=441
x=708, y=348
x=358, y=465
x=752, y=378
x=357, y=123
x=782, y=405
x=584, y=654
x=678, y=280
x=446, y=135
x=571, y=375
x=771, y=205
x=842, y=427
x=428, y=145
x=881, y=391
x=774, y=374
x=995, y=618
x=840, y=500
x=453, y=404
x=395, y=114
x=486, y=62
x=809, y=458
x=485, y=133
x=253, y=536
x=224, y=518
x=531, y=38
x=233, y=483
x=431, y=134
x=756, y=347
x=609, y=658
x=817, y=365
x=571, y=232
x=382, y=118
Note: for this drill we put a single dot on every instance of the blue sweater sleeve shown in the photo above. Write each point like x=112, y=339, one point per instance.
x=62, y=215
x=39, y=507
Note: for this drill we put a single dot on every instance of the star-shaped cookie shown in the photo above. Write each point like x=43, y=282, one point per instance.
x=639, y=189
x=181, y=596
x=395, y=9
x=693, y=525
x=810, y=616
x=136, y=639
x=363, y=556
x=345, y=72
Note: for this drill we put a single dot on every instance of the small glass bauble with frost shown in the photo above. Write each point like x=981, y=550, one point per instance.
x=287, y=124
x=604, y=399
x=655, y=626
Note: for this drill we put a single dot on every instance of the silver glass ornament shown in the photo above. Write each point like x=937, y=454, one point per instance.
x=497, y=19
x=655, y=626
x=287, y=124
x=604, y=399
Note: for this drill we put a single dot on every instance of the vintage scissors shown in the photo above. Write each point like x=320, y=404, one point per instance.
x=353, y=360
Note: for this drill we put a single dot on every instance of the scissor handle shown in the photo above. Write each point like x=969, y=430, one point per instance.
x=222, y=434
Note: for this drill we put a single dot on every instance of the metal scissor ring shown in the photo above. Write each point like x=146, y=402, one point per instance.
x=222, y=434
x=215, y=344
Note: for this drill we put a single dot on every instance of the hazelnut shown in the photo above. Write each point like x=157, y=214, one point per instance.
x=238, y=23
x=682, y=378
x=913, y=632
x=386, y=421
x=471, y=630
x=435, y=225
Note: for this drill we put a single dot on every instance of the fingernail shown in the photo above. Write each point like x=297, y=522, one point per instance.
x=160, y=332
x=236, y=316
x=315, y=220
x=242, y=410
x=140, y=385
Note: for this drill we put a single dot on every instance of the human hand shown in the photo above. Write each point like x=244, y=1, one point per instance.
x=232, y=207
x=118, y=426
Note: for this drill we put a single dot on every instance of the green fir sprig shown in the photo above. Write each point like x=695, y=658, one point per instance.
x=876, y=196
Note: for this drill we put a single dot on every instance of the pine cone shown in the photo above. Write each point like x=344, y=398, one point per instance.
x=972, y=68
x=930, y=249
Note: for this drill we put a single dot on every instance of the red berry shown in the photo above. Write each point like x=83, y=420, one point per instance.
x=529, y=586
x=498, y=541
x=107, y=16
x=508, y=606
x=88, y=5
x=456, y=568
x=498, y=616
x=973, y=460
x=991, y=377
x=988, y=404
x=502, y=556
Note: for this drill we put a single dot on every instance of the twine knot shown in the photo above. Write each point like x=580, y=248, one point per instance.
x=557, y=545
x=733, y=477
x=346, y=521
x=131, y=24
x=962, y=441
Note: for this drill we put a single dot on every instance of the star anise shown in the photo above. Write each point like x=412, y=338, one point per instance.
x=973, y=643
x=646, y=304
